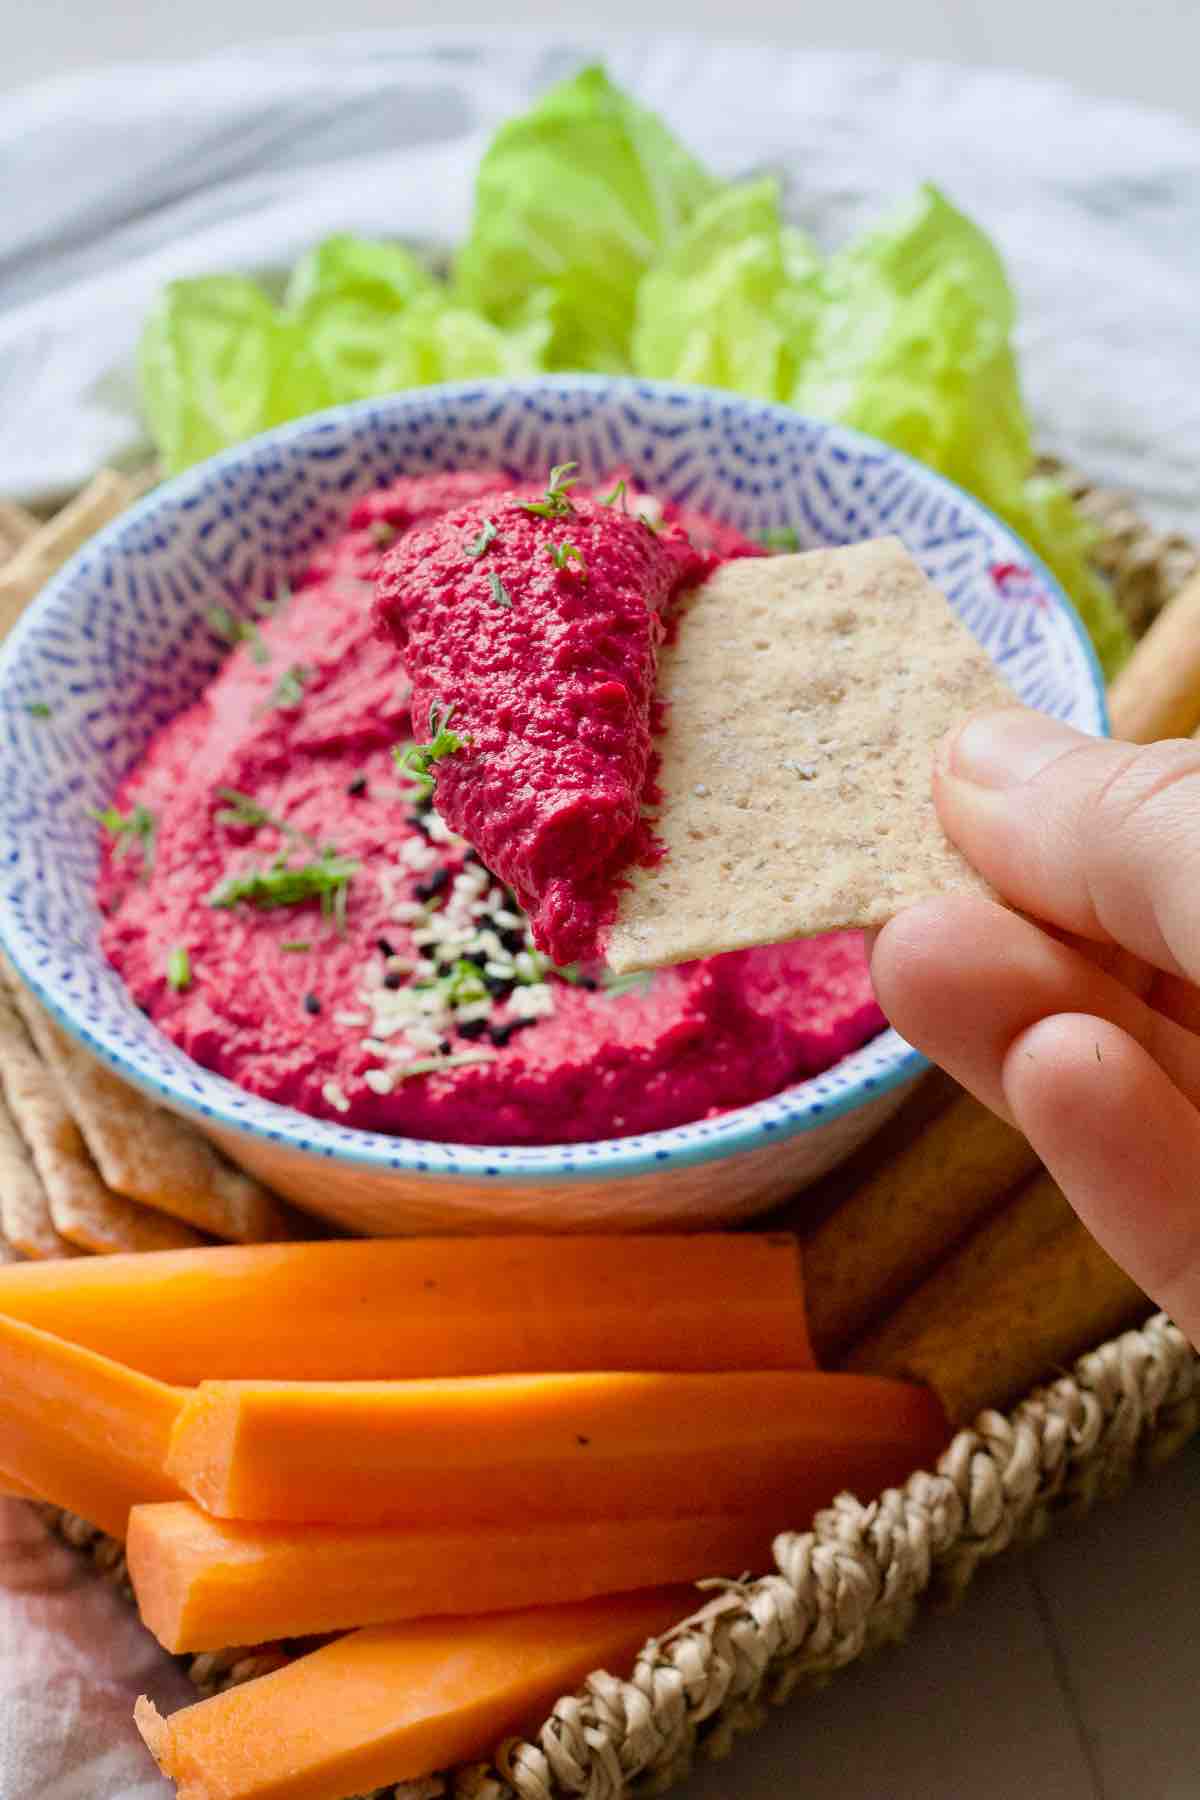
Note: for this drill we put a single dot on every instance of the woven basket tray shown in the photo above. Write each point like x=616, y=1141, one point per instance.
x=858, y=1578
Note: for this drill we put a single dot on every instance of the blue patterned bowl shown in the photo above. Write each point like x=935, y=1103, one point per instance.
x=116, y=645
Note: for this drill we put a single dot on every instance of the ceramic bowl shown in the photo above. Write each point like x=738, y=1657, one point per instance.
x=116, y=645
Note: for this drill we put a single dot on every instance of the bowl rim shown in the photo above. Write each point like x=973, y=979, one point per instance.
x=887, y=1061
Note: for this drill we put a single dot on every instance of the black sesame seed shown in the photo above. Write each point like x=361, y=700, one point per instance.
x=477, y=957
x=429, y=951
x=433, y=885
x=472, y=1028
x=500, y=986
x=500, y=1034
x=513, y=939
x=590, y=984
x=311, y=1003
x=444, y=1046
x=384, y=947
x=393, y=980
x=357, y=786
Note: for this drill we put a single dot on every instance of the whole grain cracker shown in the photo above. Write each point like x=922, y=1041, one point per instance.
x=806, y=694
x=24, y=1210
x=82, y=1209
x=145, y=1152
x=46, y=550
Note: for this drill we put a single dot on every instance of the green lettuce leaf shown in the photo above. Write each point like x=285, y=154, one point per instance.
x=734, y=301
x=218, y=363
x=574, y=200
x=346, y=296
x=913, y=345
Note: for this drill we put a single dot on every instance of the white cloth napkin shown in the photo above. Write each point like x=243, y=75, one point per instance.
x=72, y=1659
x=114, y=181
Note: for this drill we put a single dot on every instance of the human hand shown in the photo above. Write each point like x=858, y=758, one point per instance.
x=1082, y=1029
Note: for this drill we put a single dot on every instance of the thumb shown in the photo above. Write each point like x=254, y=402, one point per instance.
x=1094, y=837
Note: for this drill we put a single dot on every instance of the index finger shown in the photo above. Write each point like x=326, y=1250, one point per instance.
x=1094, y=837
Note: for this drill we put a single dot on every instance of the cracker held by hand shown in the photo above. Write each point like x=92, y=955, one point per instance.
x=806, y=694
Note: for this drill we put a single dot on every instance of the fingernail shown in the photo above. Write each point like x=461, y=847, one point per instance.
x=1005, y=747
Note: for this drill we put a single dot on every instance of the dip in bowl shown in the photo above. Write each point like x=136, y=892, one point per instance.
x=609, y=1109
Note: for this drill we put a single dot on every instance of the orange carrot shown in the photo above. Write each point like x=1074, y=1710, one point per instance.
x=395, y=1702
x=79, y=1430
x=369, y=1310
x=202, y=1583
x=518, y=1448
x=12, y=1489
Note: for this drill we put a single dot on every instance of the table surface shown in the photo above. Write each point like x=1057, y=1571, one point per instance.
x=1070, y=1673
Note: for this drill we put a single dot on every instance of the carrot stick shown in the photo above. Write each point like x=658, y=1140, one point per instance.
x=429, y=1307
x=81, y=1431
x=202, y=1583
x=395, y=1702
x=1014, y=1305
x=12, y=1489
x=883, y=1239
x=498, y=1449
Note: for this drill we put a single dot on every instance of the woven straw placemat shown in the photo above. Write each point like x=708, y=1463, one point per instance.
x=858, y=1578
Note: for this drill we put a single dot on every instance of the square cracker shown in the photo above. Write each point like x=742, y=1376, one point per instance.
x=144, y=1152
x=82, y=1209
x=805, y=696
x=24, y=1209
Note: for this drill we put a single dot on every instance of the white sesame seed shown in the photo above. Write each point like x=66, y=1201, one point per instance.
x=380, y=1081
x=416, y=854
x=536, y=1002
x=351, y=1019
x=335, y=1096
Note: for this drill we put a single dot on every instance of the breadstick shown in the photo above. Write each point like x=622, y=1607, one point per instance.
x=884, y=1238
x=1157, y=693
x=1014, y=1324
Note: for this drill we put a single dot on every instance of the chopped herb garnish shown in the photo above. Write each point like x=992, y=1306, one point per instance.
x=326, y=878
x=244, y=809
x=618, y=497
x=382, y=533
x=429, y=1065
x=780, y=538
x=487, y=536
x=296, y=946
x=615, y=985
x=500, y=593
x=179, y=969
x=37, y=709
x=288, y=692
x=554, y=503
x=227, y=625
x=417, y=759
x=136, y=827
x=562, y=554
x=267, y=608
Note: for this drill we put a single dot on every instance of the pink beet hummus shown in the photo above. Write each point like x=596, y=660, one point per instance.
x=288, y=906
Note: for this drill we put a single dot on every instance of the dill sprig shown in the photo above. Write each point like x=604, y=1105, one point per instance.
x=135, y=829
x=554, y=503
x=417, y=759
